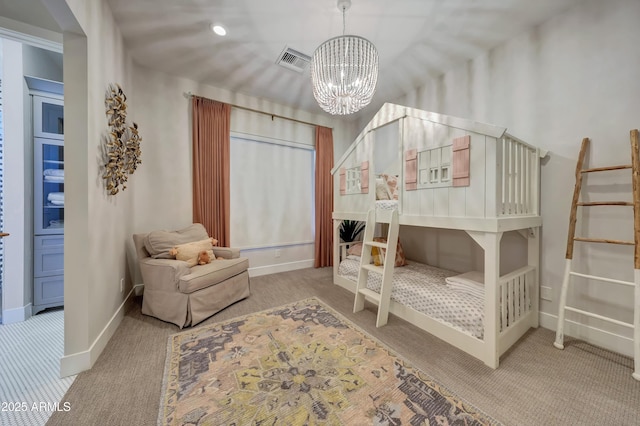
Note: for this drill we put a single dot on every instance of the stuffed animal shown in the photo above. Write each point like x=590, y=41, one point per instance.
x=190, y=252
x=203, y=258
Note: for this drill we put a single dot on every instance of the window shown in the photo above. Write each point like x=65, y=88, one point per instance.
x=272, y=192
x=434, y=167
x=353, y=181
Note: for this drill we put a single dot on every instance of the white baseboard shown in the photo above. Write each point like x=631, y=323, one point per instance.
x=81, y=361
x=280, y=267
x=595, y=336
x=138, y=289
x=11, y=316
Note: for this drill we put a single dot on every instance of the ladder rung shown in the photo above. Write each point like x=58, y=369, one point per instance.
x=607, y=203
x=373, y=268
x=370, y=293
x=609, y=280
x=600, y=317
x=604, y=169
x=602, y=240
x=376, y=244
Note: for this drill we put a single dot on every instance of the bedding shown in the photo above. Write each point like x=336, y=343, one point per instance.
x=355, y=249
x=470, y=282
x=378, y=254
x=386, y=204
x=423, y=288
x=392, y=184
x=382, y=191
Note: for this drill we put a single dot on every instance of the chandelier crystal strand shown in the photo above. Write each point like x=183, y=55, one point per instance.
x=344, y=73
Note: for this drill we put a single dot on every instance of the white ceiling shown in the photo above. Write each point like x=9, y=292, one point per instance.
x=416, y=39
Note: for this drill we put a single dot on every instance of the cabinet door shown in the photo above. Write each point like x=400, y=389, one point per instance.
x=48, y=291
x=48, y=117
x=48, y=186
x=48, y=255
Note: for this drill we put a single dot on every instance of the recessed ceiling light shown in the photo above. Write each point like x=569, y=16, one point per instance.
x=218, y=29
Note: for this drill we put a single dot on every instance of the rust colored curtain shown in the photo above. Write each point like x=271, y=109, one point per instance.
x=324, y=197
x=211, y=140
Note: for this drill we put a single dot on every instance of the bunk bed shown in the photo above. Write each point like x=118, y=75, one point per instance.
x=437, y=171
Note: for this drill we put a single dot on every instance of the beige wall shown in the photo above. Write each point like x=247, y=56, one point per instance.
x=162, y=187
x=546, y=86
x=574, y=76
x=97, y=226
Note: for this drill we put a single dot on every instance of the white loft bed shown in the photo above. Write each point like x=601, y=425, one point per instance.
x=456, y=174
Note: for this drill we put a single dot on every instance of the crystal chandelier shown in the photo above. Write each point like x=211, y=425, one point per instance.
x=344, y=71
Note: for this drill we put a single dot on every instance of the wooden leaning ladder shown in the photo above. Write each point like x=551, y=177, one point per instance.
x=568, y=273
x=383, y=299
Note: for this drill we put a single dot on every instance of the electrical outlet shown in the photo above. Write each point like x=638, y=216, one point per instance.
x=546, y=293
x=121, y=285
x=278, y=252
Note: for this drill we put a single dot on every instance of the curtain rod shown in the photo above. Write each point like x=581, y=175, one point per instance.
x=189, y=95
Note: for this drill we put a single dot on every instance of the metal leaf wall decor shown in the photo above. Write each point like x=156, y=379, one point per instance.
x=122, y=144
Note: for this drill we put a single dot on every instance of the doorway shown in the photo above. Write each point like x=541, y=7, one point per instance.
x=1, y=190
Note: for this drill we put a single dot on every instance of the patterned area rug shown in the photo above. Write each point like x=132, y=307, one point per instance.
x=299, y=364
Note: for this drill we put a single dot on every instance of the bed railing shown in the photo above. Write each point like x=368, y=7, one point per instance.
x=515, y=290
x=518, y=165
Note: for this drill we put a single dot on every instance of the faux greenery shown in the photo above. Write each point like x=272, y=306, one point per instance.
x=350, y=229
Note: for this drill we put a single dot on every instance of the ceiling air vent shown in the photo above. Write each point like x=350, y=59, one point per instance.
x=293, y=60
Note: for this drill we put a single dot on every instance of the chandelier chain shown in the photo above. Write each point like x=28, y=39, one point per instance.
x=344, y=25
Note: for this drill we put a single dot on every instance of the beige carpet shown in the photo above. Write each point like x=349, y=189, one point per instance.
x=536, y=384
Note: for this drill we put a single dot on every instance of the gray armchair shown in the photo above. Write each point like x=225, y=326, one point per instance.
x=183, y=295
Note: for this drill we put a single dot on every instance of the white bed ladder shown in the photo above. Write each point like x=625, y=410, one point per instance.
x=383, y=299
x=568, y=273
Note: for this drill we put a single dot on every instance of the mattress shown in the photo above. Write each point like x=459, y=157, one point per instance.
x=386, y=204
x=423, y=288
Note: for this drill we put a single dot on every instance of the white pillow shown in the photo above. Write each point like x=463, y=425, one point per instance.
x=471, y=283
x=355, y=249
x=471, y=277
x=382, y=191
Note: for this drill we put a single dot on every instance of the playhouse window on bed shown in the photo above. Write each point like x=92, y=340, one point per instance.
x=434, y=167
x=353, y=180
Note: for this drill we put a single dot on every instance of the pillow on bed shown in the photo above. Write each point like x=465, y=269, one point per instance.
x=355, y=249
x=471, y=283
x=378, y=254
x=471, y=277
x=382, y=190
x=392, y=185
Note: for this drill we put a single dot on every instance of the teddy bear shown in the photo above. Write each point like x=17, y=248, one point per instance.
x=191, y=252
x=203, y=257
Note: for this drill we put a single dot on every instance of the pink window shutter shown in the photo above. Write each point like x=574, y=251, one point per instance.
x=461, y=160
x=364, y=177
x=411, y=170
x=343, y=181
